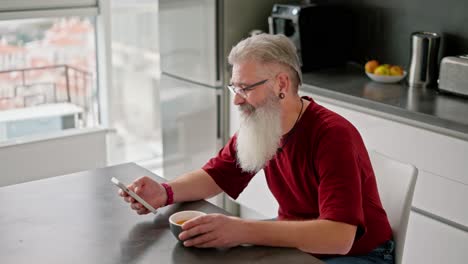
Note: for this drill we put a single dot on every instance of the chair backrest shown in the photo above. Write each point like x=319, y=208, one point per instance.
x=396, y=182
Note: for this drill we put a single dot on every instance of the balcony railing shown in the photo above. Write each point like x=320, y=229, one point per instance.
x=28, y=87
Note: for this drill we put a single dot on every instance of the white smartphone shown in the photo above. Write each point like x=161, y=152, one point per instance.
x=132, y=194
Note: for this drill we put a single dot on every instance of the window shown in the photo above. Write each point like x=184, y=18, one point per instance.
x=48, y=61
x=134, y=97
x=48, y=66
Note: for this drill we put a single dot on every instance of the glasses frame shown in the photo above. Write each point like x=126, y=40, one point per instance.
x=243, y=91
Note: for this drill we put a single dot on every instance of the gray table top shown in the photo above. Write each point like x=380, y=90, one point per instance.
x=79, y=218
x=425, y=108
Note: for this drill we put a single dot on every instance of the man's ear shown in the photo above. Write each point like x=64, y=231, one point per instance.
x=284, y=82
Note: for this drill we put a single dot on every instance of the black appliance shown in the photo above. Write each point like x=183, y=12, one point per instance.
x=321, y=32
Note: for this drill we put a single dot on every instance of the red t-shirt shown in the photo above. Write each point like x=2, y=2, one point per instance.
x=322, y=172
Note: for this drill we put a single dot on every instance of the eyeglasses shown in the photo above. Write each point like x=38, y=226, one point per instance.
x=243, y=91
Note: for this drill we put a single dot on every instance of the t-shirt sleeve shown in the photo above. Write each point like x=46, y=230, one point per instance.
x=226, y=172
x=337, y=164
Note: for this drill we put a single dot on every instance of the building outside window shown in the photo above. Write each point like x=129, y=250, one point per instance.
x=45, y=62
x=48, y=67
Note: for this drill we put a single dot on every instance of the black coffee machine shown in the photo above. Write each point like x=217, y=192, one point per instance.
x=321, y=33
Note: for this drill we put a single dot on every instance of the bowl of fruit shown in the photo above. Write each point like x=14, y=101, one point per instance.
x=384, y=73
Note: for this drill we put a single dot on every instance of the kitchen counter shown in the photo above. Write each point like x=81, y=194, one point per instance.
x=425, y=108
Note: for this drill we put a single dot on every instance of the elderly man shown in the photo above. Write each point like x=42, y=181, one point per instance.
x=315, y=163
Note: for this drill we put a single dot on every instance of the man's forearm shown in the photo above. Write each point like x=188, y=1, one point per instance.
x=195, y=185
x=314, y=236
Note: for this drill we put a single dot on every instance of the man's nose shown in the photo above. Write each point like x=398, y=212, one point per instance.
x=238, y=99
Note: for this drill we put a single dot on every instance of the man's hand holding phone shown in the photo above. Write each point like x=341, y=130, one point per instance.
x=152, y=194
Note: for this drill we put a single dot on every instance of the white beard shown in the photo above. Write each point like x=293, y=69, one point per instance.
x=259, y=135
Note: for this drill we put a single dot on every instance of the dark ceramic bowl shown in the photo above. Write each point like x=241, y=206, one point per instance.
x=177, y=219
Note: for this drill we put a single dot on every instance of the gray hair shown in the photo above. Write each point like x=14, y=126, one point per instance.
x=266, y=49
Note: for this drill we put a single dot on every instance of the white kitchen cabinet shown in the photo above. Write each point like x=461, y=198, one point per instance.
x=442, y=197
x=429, y=241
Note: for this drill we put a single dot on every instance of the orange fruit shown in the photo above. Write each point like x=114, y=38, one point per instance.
x=371, y=66
x=396, y=70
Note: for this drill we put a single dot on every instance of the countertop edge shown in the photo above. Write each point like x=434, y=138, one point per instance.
x=382, y=110
x=71, y=132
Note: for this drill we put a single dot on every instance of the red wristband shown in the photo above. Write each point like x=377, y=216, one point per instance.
x=169, y=193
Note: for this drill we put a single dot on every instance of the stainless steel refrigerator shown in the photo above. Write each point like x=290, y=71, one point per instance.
x=195, y=39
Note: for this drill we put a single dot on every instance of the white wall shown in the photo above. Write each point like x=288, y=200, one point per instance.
x=52, y=155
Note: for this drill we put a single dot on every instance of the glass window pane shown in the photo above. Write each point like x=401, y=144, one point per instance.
x=134, y=97
x=47, y=75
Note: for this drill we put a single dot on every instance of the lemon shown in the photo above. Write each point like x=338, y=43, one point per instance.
x=382, y=70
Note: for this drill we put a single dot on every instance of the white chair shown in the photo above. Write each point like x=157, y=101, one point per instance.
x=395, y=182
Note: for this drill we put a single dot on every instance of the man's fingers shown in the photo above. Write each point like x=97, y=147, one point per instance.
x=209, y=244
x=140, y=182
x=204, y=219
x=136, y=206
x=122, y=193
x=137, y=190
x=129, y=199
x=200, y=240
x=137, y=185
x=142, y=211
x=196, y=230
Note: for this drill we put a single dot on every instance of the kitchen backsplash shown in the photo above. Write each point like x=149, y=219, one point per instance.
x=382, y=28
